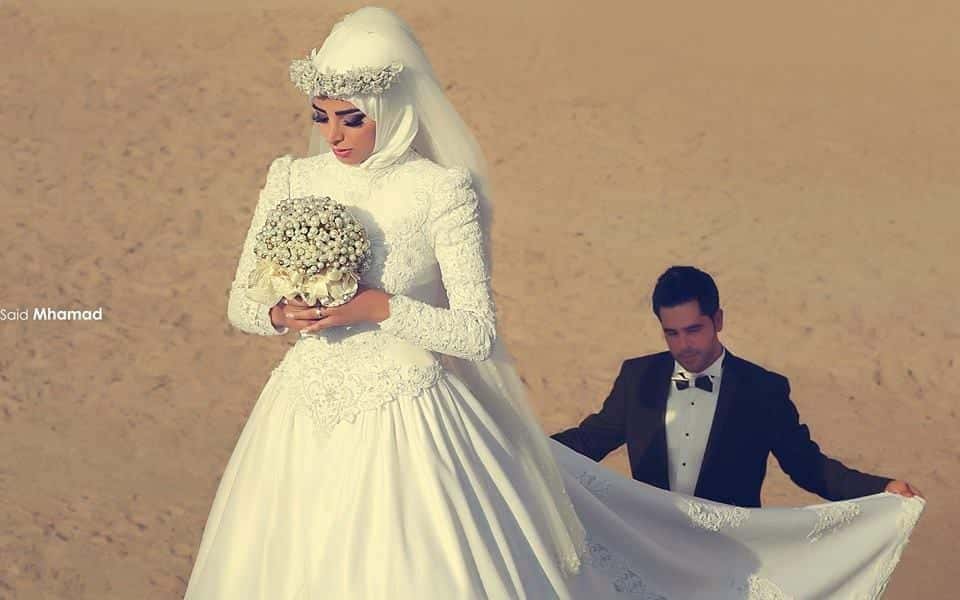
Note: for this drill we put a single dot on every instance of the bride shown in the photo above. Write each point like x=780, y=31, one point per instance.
x=391, y=453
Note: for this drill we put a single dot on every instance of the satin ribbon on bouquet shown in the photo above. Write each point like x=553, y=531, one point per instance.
x=269, y=282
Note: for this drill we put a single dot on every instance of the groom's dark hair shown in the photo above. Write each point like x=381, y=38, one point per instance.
x=683, y=284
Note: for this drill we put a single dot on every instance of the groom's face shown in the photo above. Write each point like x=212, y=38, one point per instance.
x=691, y=335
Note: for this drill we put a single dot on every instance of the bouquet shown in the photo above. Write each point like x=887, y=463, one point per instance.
x=312, y=247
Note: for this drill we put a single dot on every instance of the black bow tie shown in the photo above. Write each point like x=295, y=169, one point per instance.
x=703, y=382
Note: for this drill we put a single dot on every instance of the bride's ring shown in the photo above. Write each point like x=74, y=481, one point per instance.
x=319, y=314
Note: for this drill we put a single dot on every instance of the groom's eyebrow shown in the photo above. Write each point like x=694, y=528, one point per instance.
x=339, y=113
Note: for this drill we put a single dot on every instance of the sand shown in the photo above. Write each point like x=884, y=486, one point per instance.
x=806, y=154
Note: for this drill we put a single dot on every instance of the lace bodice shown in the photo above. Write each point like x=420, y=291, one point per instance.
x=422, y=221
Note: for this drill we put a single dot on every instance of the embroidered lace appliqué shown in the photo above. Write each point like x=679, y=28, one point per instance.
x=715, y=517
x=594, y=485
x=467, y=328
x=760, y=588
x=333, y=390
x=624, y=579
x=832, y=517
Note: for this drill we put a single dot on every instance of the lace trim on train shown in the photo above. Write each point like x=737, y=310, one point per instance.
x=909, y=515
x=761, y=588
x=715, y=516
x=628, y=582
x=623, y=578
x=595, y=485
x=831, y=518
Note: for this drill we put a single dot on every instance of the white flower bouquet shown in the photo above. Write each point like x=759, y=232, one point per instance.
x=312, y=247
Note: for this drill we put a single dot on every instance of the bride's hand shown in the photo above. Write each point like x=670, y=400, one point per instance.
x=369, y=305
x=294, y=313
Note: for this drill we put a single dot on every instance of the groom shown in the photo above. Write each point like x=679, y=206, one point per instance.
x=701, y=421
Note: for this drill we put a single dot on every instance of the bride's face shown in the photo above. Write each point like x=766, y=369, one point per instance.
x=351, y=134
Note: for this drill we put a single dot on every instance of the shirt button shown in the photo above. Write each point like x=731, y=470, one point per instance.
x=692, y=404
x=684, y=464
x=687, y=434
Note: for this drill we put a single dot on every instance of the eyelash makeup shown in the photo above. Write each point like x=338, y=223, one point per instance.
x=319, y=117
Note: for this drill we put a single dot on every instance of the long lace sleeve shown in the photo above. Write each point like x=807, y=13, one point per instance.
x=467, y=328
x=243, y=313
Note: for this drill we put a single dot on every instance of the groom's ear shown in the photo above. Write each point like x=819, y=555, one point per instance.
x=718, y=320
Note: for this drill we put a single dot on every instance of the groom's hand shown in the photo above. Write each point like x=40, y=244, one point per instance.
x=903, y=488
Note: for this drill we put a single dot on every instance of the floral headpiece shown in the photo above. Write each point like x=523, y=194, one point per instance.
x=362, y=81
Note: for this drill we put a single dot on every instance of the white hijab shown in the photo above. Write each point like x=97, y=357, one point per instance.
x=359, y=41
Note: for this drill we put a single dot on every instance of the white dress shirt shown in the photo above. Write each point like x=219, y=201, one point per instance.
x=688, y=420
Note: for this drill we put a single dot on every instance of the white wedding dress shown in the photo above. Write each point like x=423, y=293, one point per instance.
x=367, y=470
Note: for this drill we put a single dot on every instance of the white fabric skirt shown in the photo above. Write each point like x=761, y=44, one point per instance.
x=420, y=498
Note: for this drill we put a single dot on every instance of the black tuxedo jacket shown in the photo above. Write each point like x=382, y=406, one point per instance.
x=754, y=417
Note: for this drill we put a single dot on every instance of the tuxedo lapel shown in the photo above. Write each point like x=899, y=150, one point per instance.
x=725, y=399
x=659, y=384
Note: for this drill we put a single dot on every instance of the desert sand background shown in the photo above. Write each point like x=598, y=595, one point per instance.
x=804, y=153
